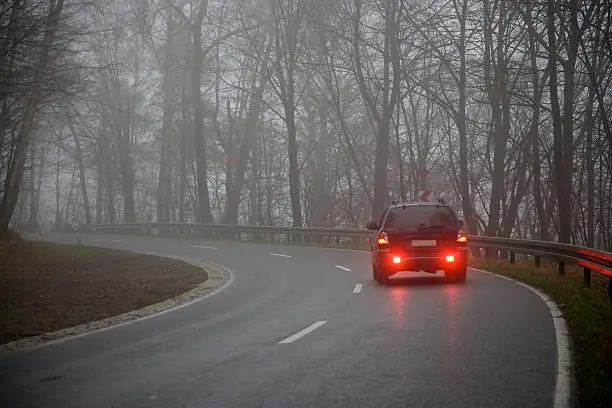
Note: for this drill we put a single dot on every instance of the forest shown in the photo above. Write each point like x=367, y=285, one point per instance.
x=307, y=113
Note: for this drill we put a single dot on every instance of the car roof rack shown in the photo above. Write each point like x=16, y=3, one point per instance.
x=403, y=205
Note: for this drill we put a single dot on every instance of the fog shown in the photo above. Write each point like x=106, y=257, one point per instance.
x=307, y=113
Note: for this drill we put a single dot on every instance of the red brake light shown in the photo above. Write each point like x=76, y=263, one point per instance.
x=450, y=258
x=383, y=239
x=461, y=237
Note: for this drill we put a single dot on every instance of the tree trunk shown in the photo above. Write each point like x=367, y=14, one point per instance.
x=534, y=131
x=69, y=202
x=15, y=171
x=320, y=182
x=400, y=160
x=559, y=173
x=246, y=146
x=32, y=222
x=518, y=193
x=183, y=169
x=496, y=90
x=78, y=156
x=464, y=181
x=58, y=211
x=204, y=210
x=100, y=179
x=294, y=172
x=41, y=177
x=185, y=146
x=381, y=190
x=127, y=167
x=564, y=183
x=286, y=29
x=110, y=190
x=164, y=183
x=588, y=125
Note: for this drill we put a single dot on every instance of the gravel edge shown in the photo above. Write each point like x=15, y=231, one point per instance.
x=218, y=276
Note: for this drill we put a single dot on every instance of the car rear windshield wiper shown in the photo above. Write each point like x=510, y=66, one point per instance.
x=433, y=226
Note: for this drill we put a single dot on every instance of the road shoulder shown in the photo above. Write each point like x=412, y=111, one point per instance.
x=563, y=380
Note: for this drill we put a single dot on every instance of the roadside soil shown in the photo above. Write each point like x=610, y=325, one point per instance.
x=46, y=287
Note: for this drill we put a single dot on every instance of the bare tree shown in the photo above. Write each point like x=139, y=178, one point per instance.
x=288, y=31
x=34, y=100
x=390, y=86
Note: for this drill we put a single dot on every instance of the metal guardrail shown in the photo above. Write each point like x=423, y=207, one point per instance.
x=159, y=228
x=590, y=259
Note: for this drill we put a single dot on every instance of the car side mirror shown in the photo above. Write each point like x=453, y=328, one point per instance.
x=372, y=225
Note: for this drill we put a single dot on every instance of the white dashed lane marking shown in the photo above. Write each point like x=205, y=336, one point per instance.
x=358, y=288
x=202, y=247
x=343, y=268
x=280, y=255
x=303, y=332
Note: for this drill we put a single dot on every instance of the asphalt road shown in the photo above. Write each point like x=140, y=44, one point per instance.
x=302, y=327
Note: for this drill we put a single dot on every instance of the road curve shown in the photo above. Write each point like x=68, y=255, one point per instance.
x=301, y=327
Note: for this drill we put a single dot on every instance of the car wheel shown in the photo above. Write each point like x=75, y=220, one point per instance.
x=374, y=273
x=459, y=276
x=381, y=277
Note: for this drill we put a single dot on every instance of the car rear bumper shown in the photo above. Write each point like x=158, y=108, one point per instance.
x=396, y=262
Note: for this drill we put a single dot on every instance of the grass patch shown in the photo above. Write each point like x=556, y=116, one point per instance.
x=589, y=316
x=48, y=287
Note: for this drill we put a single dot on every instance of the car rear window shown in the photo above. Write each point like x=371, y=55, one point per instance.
x=415, y=216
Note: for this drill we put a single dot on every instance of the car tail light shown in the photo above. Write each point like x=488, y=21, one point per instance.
x=450, y=258
x=383, y=239
x=397, y=259
x=461, y=237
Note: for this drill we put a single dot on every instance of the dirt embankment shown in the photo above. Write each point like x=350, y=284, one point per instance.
x=47, y=287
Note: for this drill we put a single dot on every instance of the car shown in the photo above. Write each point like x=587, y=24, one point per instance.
x=419, y=236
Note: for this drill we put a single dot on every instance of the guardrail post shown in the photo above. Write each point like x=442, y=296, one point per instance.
x=561, y=268
x=538, y=261
x=476, y=251
x=487, y=253
x=512, y=258
x=587, y=277
x=503, y=254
